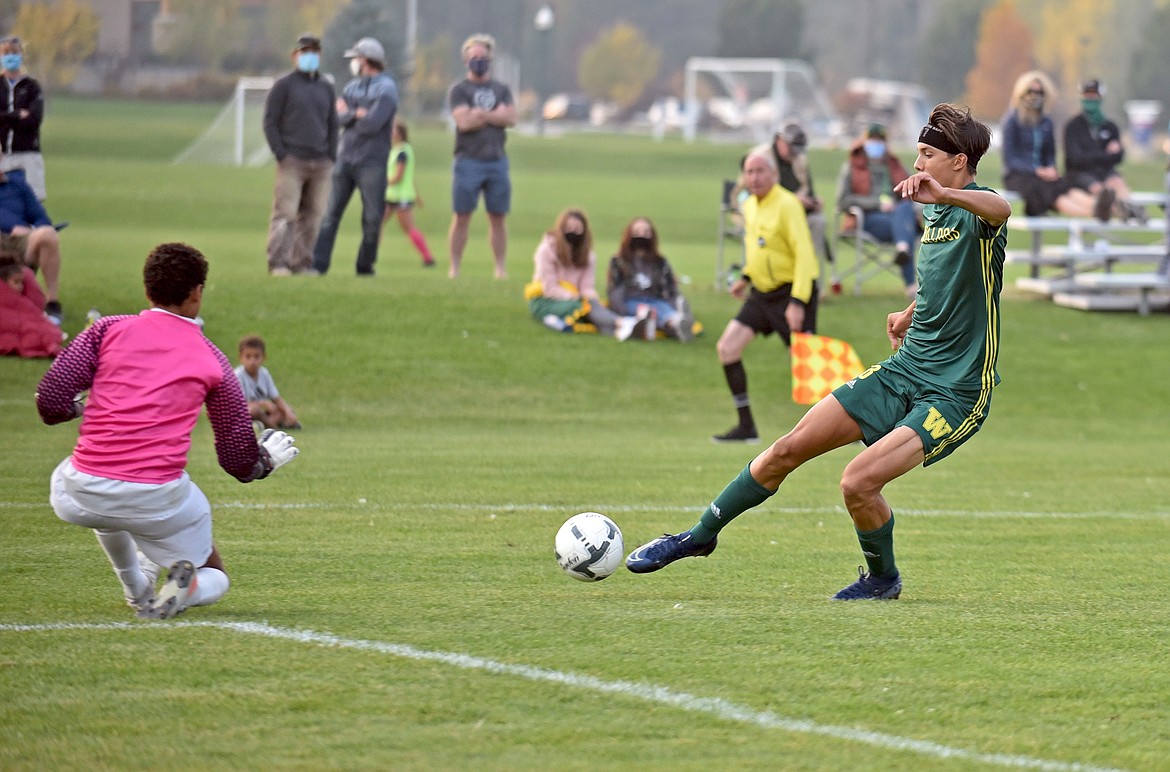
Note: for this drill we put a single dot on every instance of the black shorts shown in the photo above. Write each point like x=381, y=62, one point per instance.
x=763, y=312
x=1039, y=195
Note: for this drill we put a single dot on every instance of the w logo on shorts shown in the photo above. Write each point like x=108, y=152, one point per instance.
x=936, y=424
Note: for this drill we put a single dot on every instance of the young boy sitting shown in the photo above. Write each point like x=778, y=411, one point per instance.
x=264, y=402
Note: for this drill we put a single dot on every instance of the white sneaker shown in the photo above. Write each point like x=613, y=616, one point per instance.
x=625, y=327
x=279, y=270
x=172, y=598
x=554, y=322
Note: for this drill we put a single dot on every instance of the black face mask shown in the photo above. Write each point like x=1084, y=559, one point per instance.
x=574, y=239
x=640, y=243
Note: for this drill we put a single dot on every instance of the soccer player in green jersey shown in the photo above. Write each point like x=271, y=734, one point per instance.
x=922, y=402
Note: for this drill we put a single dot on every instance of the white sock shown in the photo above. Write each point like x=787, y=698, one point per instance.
x=120, y=548
x=211, y=584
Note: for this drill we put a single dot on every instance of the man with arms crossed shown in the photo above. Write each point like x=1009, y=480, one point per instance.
x=148, y=376
x=922, y=402
x=481, y=108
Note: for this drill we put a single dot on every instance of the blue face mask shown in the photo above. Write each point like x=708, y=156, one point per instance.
x=11, y=62
x=479, y=66
x=875, y=148
x=308, y=61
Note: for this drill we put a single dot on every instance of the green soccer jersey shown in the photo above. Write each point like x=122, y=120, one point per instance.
x=953, y=339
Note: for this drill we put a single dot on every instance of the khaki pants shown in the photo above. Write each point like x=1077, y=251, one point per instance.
x=298, y=202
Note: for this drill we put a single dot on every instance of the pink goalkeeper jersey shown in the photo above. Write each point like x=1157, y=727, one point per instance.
x=148, y=377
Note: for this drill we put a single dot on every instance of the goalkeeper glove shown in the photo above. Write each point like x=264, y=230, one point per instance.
x=278, y=446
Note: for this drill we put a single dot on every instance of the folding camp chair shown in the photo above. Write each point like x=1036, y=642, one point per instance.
x=730, y=229
x=872, y=257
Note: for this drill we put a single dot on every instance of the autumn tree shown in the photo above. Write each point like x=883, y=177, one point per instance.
x=57, y=38
x=1002, y=54
x=618, y=65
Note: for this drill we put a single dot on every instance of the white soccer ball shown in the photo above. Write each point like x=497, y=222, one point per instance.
x=589, y=547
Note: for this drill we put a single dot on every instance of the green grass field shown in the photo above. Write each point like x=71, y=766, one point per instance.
x=395, y=602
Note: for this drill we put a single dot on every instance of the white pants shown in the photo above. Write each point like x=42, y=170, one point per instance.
x=169, y=521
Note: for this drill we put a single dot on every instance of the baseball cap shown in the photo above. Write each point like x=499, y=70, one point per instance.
x=876, y=131
x=308, y=42
x=794, y=135
x=1092, y=86
x=367, y=48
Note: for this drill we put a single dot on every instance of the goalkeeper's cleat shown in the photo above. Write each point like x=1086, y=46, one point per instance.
x=143, y=599
x=870, y=587
x=172, y=599
x=667, y=549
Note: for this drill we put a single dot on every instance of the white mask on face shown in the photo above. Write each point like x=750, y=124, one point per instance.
x=355, y=66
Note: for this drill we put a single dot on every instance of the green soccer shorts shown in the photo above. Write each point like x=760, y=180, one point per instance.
x=882, y=399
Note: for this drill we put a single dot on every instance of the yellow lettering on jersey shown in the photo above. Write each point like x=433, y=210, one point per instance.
x=873, y=369
x=932, y=235
x=936, y=424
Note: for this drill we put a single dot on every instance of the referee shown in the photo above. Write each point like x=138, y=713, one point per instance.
x=778, y=285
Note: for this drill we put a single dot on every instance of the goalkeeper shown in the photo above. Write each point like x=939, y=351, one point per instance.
x=924, y=401
x=147, y=377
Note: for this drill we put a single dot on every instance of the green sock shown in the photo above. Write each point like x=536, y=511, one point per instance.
x=740, y=495
x=878, y=549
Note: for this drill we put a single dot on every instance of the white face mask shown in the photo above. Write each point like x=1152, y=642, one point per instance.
x=355, y=66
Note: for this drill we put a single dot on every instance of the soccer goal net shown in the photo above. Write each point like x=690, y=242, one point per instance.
x=236, y=136
x=755, y=97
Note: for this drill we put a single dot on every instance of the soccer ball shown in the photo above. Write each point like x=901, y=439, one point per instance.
x=589, y=547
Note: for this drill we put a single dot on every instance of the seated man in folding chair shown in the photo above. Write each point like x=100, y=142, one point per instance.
x=867, y=182
x=25, y=229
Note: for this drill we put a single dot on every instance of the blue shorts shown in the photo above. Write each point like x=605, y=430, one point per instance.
x=469, y=176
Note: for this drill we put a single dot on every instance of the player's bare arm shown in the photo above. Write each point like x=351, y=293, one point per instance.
x=925, y=189
x=502, y=115
x=468, y=118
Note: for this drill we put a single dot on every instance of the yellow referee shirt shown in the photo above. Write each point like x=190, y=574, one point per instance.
x=778, y=245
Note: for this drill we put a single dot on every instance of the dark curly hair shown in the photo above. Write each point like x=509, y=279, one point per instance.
x=172, y=272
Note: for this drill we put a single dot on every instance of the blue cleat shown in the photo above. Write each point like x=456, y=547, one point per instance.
x=869, y=587
x=661, y=552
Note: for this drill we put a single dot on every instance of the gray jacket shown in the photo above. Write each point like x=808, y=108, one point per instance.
x=367, y=140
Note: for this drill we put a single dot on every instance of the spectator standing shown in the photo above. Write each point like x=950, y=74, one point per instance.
x=1029, y=156
x=778, y=287
x=23, y=105
x=867, y=181
x=300, y=123
x=1093, y=151
x=482, y=108
x=365, y=110
x=26, y=230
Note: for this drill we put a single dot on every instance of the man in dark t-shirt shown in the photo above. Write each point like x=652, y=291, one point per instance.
x=482, y=109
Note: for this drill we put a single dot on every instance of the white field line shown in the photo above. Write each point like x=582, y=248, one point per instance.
x=712, y=706
x=511, y=508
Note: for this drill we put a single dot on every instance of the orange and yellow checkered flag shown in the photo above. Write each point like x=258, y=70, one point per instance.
x=819, y=365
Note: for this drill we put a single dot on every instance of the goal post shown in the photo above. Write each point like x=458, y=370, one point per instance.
x=236, y=136
x=760, y=95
